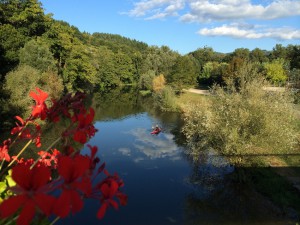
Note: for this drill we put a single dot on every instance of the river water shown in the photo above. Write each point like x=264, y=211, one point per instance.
x=164, y=186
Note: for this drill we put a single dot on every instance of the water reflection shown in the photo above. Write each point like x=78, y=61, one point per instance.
x=165, y=186
x=155, y=146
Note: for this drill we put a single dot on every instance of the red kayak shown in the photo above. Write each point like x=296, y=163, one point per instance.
x=156, y=131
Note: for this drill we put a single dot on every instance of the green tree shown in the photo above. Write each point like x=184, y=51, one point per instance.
x=159, y=60
x=25, y=15
x=19, y=83
x=258, y=55
x=278, y=51
x=36, y=54
x=105, y=66
x=60, y=37
x=293, y=55
x=204, y=55
x=146, y=80
x=275, y=71
x=79, y=73
x=11, y=40
x=184, y=73
x=124, y=68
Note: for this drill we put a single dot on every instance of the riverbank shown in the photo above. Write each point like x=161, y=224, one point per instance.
x=280, y=179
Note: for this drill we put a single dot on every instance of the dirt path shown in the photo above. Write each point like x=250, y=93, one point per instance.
x=198, y=91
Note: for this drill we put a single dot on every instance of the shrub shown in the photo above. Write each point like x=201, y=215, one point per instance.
x=158, y=83
x=248, y=121
x=146, y=80
x=165, y=99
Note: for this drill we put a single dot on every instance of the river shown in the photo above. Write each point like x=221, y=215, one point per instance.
x=164, y=186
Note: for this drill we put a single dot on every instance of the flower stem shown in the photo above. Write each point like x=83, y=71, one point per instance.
x=23, y=149
x=2, y=164
x=54, y=221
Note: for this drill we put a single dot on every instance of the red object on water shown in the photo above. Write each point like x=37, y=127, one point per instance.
x=156, y=131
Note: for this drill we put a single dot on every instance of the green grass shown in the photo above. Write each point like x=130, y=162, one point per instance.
x=191, y=98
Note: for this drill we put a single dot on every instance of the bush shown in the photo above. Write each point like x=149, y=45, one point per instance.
x=248, y=121
x=165, y=99
x=25, y=78
x=146, y=79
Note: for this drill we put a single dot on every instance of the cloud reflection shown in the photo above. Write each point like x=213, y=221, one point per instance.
x=154, y=147
x=125, y=151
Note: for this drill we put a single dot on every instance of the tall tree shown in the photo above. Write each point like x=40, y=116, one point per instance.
x=184, y=73
x=258, y=55
x=11, y=40
x=36, y=54
x=79, y=73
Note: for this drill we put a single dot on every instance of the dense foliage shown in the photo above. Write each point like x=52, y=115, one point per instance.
x=101, y=61
x=242, y=120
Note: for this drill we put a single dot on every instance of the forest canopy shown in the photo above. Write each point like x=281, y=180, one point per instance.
x=31, y=40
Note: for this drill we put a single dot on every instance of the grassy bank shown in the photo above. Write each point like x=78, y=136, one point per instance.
x=274, y=171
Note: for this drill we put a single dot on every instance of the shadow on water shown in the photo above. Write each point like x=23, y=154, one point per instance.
x=165, y=186
x=263, y=197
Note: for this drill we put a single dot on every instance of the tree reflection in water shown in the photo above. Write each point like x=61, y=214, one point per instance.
x=218, y=198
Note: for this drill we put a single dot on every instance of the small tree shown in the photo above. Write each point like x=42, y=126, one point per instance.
x=158, y=83
x=275, y=71
x=146, y=80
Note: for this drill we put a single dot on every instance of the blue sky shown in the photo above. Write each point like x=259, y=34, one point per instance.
x=185, y=25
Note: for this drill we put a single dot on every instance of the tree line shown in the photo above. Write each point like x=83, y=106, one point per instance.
x=37, y=50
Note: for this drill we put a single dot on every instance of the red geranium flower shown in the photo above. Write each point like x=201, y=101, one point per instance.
x=4, y=150
x=31, y=195
x=76, y=184
x=40, y=108
x=85, y=127
x=109, y=188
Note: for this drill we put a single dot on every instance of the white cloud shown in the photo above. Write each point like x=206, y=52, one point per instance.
x=154, y=9
x=227, y=10
x=210, y=12
x=215, y=10
x=235, y=31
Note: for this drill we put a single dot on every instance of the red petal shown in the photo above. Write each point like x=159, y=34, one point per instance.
x=82, y=164
x=114, y=204
x=21, y=175
x=105, y=190
x=45, y=203
x=33, y=95
x=9, y=206
x=80, y=137
x=64, y=205
x=77, y=202
x=113, y=188
x=122, y=198
x=94, y=150
x=90, y=116
x=43, y=95
x=65, y=167
x=84, y=185
x=39, y=177
x=20, y=119
x=102, y=210
x=26, y=214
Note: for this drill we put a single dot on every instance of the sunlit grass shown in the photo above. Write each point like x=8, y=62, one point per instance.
x=188, y=98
